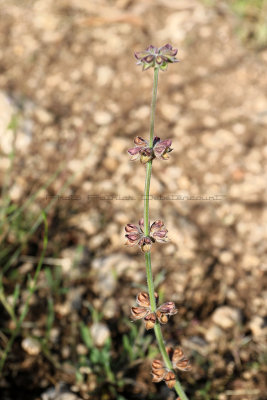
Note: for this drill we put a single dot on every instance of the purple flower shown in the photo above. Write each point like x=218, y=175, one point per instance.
x=135, y=235
x=156, y=57
x=161, y=148
x=158, y=232
x=142, y=151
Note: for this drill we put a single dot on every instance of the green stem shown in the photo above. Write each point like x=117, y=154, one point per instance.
x=153, y=106
x=150, y=282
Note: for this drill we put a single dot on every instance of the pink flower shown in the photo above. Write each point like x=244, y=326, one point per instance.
x=135, y=235
x=156, y=57
x=142, y=151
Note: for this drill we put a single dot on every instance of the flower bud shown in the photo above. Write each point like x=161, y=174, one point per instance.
x=158, y=378
x=168, y=308
x=170, y=379
x=142, y=299
x=139, y=312
x=163, y=319
x=139, y=141
x=157, y=364
x=132, y=239
x=156, y=226
x=146, y=244
x=150, y=321
x=158, y=371
x=179, y=360
x=177, y=354
x=158, y=231
x=131, y=228
x=184, y=365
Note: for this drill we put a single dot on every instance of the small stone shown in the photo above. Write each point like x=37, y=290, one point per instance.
x=67, y=396
x=170, y=112
x=226, y=317
x=6, y=135
x=100, y=333
x=54, y=335
x=110, y=308
x=65, y=352
x=110, y=164
x=141, y=113
x=213, y=334
x=250, y=262
x=31, y=346
x=103, y=118
x=257, y=327
x=104, y=75
x=226, y=257
x=43, y=116
x=81, y=349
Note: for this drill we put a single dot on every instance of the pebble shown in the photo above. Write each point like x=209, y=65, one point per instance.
x=106, y=283
x=43, y=116
x=6, y=135
x=226, y=257
x=100, y=333
x=119, y=263
x=102, y=118
x=31, y=346
x=257, y=327
x=110, y=308
x=56, y=394
x=81, y=349
x=104, y=75
x=226, y=317
x=170, y=112
x=213, y=334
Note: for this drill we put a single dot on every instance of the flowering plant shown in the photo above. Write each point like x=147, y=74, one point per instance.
x=144, y=235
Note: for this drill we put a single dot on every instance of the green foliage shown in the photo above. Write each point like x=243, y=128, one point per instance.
x=251, y=20
x=32, y=285
x=99, y=359
x=109, y=369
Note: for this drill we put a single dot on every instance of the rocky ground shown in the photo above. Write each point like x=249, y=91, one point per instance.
x=68, y=72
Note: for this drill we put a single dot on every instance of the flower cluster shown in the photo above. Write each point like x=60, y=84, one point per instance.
x=143, y=311
x=142, y=151
x=135, y=235
x=178, y=360
x=156, y=57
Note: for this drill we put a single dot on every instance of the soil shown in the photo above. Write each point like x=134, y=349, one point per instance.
x=68, y=73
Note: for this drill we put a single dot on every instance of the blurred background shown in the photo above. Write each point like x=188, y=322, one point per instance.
x=71, y=102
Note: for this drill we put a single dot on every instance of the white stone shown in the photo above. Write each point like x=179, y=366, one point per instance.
x=226, y=317
x=100, y=333
x=213, y=334
x=103, y=118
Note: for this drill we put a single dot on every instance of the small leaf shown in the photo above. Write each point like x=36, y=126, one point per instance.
x=86, y=336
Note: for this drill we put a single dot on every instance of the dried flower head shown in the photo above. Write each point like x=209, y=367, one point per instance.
x=178, y=359
x=160, y=372
x=142, y=151
x=143, y=310
x=166, y=310
x=156, y=57
x=170, y=379
x=150, y=321
x=135, y=235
